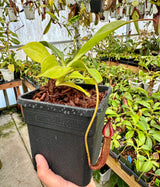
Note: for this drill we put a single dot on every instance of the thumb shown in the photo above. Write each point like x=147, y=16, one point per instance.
x=43, y=171
x=46, y=175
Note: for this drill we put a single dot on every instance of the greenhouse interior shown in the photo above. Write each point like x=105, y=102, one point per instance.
x=103, y=57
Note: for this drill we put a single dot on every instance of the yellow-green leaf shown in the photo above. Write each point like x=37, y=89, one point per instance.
x=98, y=36
x=47, y=27
x=135, y=16
x=35, y=50
x=55, y=51
x=89, y=80
x=51, y=2
x=11, y=67
x=56, y=72
x=52, y=15
x=78, y=65
x=74, y=75
x=48, y=62
x=95, y=74
x=71, y=84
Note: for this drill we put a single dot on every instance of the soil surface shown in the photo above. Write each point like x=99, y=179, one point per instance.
x=131, y=153
x=68, y=96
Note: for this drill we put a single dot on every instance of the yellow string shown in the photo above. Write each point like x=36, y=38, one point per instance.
x=90, y=124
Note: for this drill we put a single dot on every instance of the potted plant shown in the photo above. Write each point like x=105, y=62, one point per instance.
x=8, y=62
x=96, y=5
x=103, y=175
x=135, y=116
x=12, y=10
x=64, y=128
x=29, y=9
x=1, y=8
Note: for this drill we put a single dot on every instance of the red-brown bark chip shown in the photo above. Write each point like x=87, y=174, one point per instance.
x=68, y=96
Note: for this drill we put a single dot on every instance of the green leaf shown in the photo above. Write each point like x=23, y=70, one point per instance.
x=59, y=72
x=127, y=95
x=147, y=166
x=127, y=123
x=156, y=136
x=35, y=50
x=51, y=2
x=79, y=65
x=89, y=80
x=11, y=67
x=135, y=118
x=154, y=124
x=55, y=51
x=116, y=144
x=156, y=106
x=95, y=74
x=142, y=126
x=130, y=142
x=149, y=143
x=102, y=33
x=13, y=34
x=156, y=95
x=141, y=136
x=74, y=75
x=71, y=84
x=52, y=16
x=141, y=157
x=48, y=62
x=157, y=172
x=129, y=134
x=155, y=163
x=139, y=165
x=110, y=111
x=141, y=90
x=15, y=41
x=145, y=112
x=48, y=26
x=145, y=147
x=135, y=16
x=144, y=103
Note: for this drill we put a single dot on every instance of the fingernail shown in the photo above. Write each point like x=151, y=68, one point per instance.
x=38, y=159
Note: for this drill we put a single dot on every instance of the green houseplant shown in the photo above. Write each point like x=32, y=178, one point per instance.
x=8, y=60
x=135, y=116
x=63, y=72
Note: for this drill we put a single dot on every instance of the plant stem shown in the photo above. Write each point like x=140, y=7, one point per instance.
x=50, y=86
x=7, y=32
x=90, y=124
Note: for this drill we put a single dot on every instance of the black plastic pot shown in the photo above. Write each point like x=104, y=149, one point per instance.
x=57, y=132
x=131, y=172
x=104, y=58
x=114, y=154
x=17, y=74
x=130, y=62
x=1, y=81
x=96, y=5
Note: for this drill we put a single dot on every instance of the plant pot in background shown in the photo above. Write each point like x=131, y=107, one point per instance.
x=96, y=5
x=135, y=83
x=57, y=132
x=1, y=12
x=29, y=11
x=156, y=85
x=11, y=14
x=146, y=84
x=105, y=173
x=7, y=75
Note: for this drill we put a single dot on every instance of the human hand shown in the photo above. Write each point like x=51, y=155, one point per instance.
x=49, y=178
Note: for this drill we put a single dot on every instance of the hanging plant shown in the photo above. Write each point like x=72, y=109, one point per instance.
x=12, y=11
x=29, y=10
